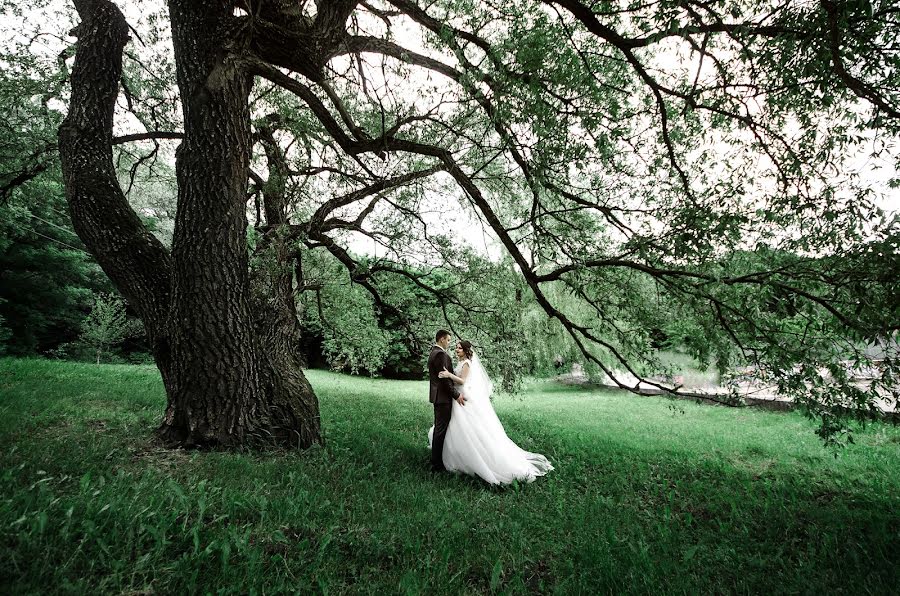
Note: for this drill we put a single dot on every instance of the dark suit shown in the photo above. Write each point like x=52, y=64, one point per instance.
x=441, y=393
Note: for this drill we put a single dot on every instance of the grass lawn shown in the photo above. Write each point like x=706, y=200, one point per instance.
x=644, y=498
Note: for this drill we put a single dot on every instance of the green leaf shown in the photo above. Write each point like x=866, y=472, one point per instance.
x=495, y=575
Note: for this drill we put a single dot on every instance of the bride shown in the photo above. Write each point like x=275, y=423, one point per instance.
x=476, y=443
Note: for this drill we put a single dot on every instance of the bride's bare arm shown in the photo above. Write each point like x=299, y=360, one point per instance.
x=459, y=380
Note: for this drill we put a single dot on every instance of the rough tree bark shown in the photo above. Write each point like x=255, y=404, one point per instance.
x=227, y=384
x=136, y=262
x=273, y=288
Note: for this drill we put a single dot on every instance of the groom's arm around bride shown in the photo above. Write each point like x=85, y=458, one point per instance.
x=441, y=390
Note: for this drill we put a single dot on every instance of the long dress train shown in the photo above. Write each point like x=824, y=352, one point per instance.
x=476, y=443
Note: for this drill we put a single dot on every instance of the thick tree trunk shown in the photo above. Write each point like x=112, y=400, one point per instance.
x=273, y=291
x=224, y=389
x=228, y=390
x=218, y=395
x=273, y=295
x=136, y=262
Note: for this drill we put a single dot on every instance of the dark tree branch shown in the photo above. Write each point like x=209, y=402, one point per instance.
x=318, y=218
x=858, y=87
x=133, y=258
x=147, y=136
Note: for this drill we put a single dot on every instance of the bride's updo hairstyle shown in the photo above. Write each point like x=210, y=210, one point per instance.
x=466, y=348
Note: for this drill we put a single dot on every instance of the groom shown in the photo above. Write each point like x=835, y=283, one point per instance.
x=440, y=393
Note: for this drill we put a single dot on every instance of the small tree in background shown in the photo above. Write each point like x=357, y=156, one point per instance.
x=107, y=326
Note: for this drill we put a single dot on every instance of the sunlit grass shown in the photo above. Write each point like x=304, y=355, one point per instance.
x=646, y=497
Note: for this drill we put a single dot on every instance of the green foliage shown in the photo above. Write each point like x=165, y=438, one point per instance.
x=681, y=178
x=341, y=315
x=352, y=337
x=46, y=277
x=713, y=500
x=5, y=333
x=107, y=325
x=780, y=334
x=31, y=83
x=481, y=301
x=47, y=280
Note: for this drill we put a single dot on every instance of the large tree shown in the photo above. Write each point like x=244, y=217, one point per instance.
x=698, y=151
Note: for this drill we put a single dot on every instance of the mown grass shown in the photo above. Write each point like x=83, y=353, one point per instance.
x=644, y=499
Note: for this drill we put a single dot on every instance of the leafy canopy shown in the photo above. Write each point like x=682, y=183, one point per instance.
x=702, y=154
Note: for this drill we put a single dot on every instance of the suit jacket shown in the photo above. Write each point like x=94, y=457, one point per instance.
x=440, y=391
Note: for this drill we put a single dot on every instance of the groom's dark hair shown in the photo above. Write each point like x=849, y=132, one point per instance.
x=441, y=333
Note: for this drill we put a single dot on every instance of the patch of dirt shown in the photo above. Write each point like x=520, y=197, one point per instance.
x=160, y=456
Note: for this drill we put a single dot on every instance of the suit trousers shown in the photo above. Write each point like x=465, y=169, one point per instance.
x=441, y=422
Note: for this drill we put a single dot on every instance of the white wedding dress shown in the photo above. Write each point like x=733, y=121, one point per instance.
x=476, y=443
